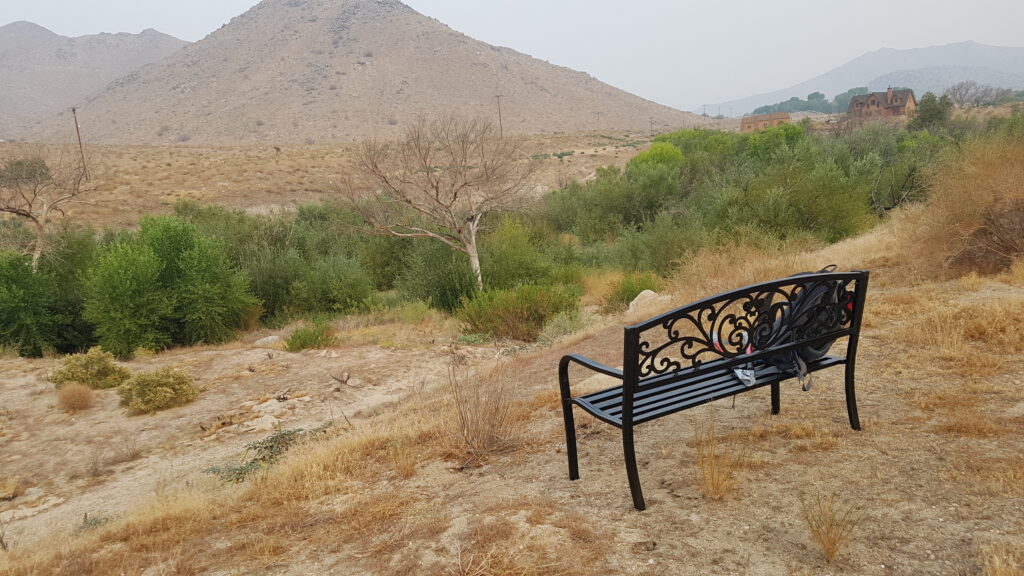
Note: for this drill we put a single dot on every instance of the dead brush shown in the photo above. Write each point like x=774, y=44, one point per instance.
x=75, y=397
x=718, y=461
x=1002, y=559
x=830, y=522
x=480, y=416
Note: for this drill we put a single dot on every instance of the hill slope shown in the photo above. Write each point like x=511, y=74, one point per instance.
x=330, y=70
x=44, y=72
x=932, y=68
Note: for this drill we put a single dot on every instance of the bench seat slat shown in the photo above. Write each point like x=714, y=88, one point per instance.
x=679, y=394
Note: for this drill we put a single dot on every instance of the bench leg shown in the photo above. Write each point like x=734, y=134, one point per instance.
x=776, y=404
x=631, y=470
x=570, y=425
x=851, y=398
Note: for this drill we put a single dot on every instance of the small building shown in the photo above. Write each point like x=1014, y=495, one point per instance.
x=882, y=104
x=762, y=121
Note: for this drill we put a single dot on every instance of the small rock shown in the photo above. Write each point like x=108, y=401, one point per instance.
x=268, y=341
x=647, y=299
x=263, y=424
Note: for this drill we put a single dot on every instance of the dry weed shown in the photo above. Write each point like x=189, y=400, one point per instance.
x=830, y=522
x=1003, y=559
x=718, y=461
x=480, y=414
x=403, y=459
x=996, y=324
x=75, y=397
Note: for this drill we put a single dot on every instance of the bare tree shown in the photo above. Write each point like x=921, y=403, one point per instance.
x=35, y=189
x=439, y=180
x=962, y=93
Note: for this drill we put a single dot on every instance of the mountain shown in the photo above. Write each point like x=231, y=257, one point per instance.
x=43, y=72
x=934, y=68
x=337, y=70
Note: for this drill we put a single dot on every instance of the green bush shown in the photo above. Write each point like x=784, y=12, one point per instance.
x=95, y=369
x=660, y=153
x=382, y=257
x=126, y=301
x=509, y=257
x=70, y=250
x=517, y=314
x=336, y=284
x=628, y=288
x=154, y=391
x=272, y=272
x=30, y=319
x=562, y=324
x=317, y=335
x=436, y=274
x=211, y=298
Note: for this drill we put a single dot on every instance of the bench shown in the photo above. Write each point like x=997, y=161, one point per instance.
x=687, y=357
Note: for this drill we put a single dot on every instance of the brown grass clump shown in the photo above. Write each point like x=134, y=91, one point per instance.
x=996, y=324
x=1003, y=559
x=75, y=397
x=831, y=522
x=480, y=415
x=718, y=462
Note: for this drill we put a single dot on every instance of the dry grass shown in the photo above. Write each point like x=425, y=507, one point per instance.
x=996, y=324
x=972, y=423
x=403, y=458
x=718, y=461
x=830, y=522
x=75, y=397
x=480, y=415
x=1003, y=559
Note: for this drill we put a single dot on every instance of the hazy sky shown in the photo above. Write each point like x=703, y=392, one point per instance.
x=676, y=52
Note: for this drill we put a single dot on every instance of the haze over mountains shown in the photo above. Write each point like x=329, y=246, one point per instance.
x=42, y=73
x=934, y=68
x=330, y=70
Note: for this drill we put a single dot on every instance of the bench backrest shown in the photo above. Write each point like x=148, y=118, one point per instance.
x=744, y=325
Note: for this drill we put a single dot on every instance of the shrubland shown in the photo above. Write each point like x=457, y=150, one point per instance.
x=203, y=273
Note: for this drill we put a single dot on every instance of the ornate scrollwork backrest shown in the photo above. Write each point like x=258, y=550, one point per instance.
x=747, y=321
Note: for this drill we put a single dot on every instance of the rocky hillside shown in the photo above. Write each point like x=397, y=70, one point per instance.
x=43, y=73
x=334, y=70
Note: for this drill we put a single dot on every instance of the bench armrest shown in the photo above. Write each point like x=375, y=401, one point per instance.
x=587, y=362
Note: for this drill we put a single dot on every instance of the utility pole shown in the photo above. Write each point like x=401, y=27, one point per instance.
x=81, y=149
x=652, y=127
x=501, y=129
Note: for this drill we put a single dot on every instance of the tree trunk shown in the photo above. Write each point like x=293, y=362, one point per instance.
x=474, y=261
x=40, y=241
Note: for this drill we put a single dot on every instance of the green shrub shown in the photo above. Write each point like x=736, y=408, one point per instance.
x=317, y=335
x=126, y=301
x=30, y=319
x=337, y=284
x=95, y=369
x=154, y=391
x=509, y=257
x=436, y=274
x=70, y=250
x=660, y=153
x=629, y=287
x=562, y=324
x=382, y=257
x=518, y=314
x=211, y=297
x=272, y=272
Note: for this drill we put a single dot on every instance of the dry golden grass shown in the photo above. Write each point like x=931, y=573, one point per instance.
x=963, y=194
x=1003, y=559
x=830, y=522
x=403, y=458
x=971, y=423
x=996, y=323
x=75, y=397
x=719, y=461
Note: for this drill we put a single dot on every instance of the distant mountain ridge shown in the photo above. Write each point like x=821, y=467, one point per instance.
x=43, y=72
x=336, y=70
x=933, y=68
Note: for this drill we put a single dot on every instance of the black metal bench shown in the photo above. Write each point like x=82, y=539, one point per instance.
x=686, y=357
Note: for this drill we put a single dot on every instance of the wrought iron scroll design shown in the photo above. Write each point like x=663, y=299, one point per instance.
x=744, y=323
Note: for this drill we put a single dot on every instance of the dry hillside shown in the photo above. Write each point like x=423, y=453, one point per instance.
x=292, y=71
x=44, y=73
x=395, y=487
